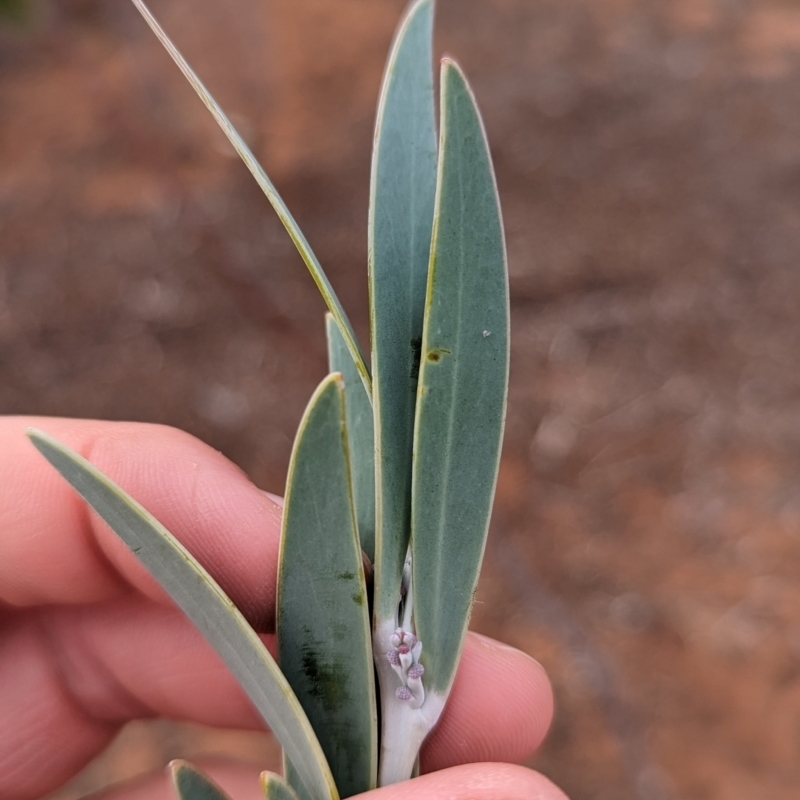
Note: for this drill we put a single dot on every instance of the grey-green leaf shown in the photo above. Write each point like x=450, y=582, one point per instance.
x=324, y=643
x=293, y=779
x=360, y=433
x=257, y=171
x=400, y=218
x=463, y=384
x=276, y=788
x=191, y=784
x=209, y=608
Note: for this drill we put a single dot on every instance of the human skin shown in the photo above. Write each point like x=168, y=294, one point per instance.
x=89, y=641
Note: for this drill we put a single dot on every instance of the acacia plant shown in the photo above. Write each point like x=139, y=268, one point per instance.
x=398, y=462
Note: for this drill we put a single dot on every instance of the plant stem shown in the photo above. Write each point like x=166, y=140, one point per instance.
x=403, y=728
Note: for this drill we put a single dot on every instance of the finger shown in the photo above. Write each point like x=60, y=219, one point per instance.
x=499, y=710
x=131, y=658
x=53, y=551
x=469, y=782
x=473, y=782
x=197, y=493
x=68, y=683
x=82, y=671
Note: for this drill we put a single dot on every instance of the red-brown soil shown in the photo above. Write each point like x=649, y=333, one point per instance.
x=646, y=541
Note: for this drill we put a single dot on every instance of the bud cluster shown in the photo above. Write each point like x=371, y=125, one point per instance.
x=404, y=658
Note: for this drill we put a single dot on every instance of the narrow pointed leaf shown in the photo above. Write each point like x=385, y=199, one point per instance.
x=324, y=643
x=257, y=171
x=360, y=435
x=191, y=784
x=208, y=607
x=400, y=218
x=292, y=777
x=276, y=788
x=463, y=383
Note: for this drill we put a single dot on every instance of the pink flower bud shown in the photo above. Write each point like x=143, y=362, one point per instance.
x=416, y=671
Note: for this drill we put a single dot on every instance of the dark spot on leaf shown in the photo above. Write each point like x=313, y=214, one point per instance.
x=345, y=576
x=358, y=599
x=437, y=353
x=325, y=681
x=416, y=350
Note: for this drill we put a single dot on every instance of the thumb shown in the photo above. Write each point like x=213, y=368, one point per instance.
x=490, y=781
x=467, y=782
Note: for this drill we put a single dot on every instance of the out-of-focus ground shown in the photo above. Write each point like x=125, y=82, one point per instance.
x=646, y=540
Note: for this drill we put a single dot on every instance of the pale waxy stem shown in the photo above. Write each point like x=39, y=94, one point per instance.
x=408, y=713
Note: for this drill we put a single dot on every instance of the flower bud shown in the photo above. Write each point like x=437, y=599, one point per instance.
x=416, y=671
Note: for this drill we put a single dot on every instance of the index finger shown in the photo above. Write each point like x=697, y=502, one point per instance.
x=133, y=658
x=53, y=550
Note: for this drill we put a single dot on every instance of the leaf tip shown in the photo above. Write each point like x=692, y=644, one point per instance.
x=190, y=783
x=451, y=67
x=267, y=780
x=177, y=764
x=34, y=433
x=275, y=787
x=42, y=441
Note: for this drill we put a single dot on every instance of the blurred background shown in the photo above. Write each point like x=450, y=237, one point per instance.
x=646, y=540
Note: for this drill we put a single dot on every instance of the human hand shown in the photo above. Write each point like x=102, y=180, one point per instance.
x=88, y=640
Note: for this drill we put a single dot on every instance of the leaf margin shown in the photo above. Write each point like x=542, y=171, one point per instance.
x=331, y=390
x=270, y=680
x=440, y=672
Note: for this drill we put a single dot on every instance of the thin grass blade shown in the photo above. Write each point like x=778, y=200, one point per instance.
x=276, y=788
x=257, y=171
x=400, y=218
x=461, y=399
x=208, y=607
x=191, y=784
x=361, y=435
x=324, y=639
